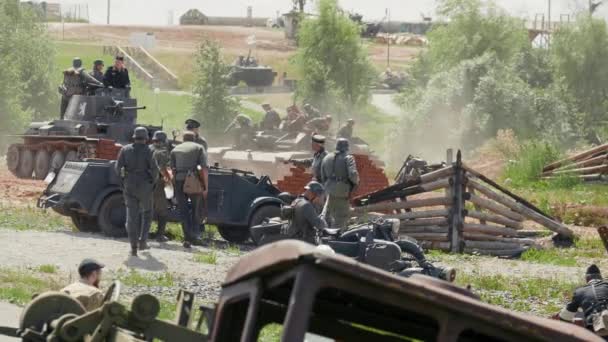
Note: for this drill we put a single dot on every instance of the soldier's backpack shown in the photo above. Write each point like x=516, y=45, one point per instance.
x=192, y=184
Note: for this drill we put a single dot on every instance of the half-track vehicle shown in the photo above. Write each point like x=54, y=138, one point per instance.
x=311, y=296
x=90, y=192
x=94, y=127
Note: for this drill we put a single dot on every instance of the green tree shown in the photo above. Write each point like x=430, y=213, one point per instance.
x=335, y=66
x=212, y=103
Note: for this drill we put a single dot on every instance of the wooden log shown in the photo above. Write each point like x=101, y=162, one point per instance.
x=491, y=245
x=576, y=157
x=427, y=202
x=456, y=218
x=523, y=210
x=584, y=178
x=489, y=229
x=482, y=217
x=441, y=221
x=599, y=160
x=443, y=246
x=582, y=171
x=435, y=175
x=482, y=220
x=438, y=237
x=429, y=229
x=420, y=214
x=496, y=252
x=495, y=208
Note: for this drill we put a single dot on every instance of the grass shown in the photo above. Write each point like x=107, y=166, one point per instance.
x=205, y=257
x=234, y=250
x=49, y=269
x=18, y=287
x=135, y=278
x=29, y=218
x=548, y=256
x=531, y=158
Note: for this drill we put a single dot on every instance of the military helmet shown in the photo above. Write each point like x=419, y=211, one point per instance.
x=77, y=62
x=342, y=145
x=140, y=133
x=315, y=187
x=160, y=136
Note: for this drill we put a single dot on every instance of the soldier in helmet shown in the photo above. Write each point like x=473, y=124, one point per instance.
x=306, y=221
x=75, y=82
x=160, y=153
x=139, y=173
x=318, y=147
x=194, y=127
x=311, y=112
x=339, y=172
x=244, y=131
x=97, y=72
x=346, y=131
x=86, y=290
x=271, y=120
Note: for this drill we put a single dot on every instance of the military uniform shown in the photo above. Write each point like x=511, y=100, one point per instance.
x=185, y=158
x=75, y=81
x=117, y=78
x=98, y=75
x=316, y=161
x=346, y=132
x=271, y=120
x=243, y=134
x=140, y=175
x=89, y=296
x=305, y=222
x=340, y=176
x=161, y=210
x=319, y=125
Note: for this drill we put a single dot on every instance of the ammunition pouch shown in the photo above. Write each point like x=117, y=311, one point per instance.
x=599, y=321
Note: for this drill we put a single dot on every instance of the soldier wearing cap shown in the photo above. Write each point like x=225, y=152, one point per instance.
x=75, y=82
x=97, y=72
x=86, y=290
x=117, y=76
x=318, y=147
x=591, y=298
x=244, y=131
x=306, y=221
x=190, y=157
x=346, y=131
x=160, y=153
x=194, y=126
x=339, y=172
x=139, y=173
x=271, y=120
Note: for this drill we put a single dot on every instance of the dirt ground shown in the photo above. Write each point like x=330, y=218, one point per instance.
x=18, y=191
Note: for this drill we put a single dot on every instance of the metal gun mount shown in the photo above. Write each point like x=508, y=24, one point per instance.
x=118, y=108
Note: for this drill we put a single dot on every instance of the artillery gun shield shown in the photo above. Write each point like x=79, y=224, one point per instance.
x=47, y=307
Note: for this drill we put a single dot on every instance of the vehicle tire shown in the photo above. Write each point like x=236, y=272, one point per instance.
x=266, y=211
x=57, y=160
x=71, y=156
x=85, y=223
x=42, y=164
x=234, y=234
x=112, y=216
x=26, y=164
x=12, y=159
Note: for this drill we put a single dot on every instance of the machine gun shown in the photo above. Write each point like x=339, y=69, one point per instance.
x=118, y=108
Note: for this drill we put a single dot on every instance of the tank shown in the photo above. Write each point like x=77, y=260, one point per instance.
x=95, y=126
x=247, y=70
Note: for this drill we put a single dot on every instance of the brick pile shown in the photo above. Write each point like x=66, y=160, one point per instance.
x=107, y=149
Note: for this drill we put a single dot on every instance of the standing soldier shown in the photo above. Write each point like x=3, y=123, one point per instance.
x=306, y=221
x=75, y=82
x=190, y=157
x=318, y=147
x=97, y=72
x=117, y=76
x=86, y=290
x=194, y=126
x=160, y=153
x=346, y=131
x=139, y=172
x=271, y=120
x=339, y=172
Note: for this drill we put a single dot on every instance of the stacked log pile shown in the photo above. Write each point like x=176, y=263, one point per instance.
x=461, y=211
x=588, y=165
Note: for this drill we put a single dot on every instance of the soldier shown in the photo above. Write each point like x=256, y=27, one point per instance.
x=194, y=126
x=311, y=112
x=306, y=221
x=75, y=82
x=139, y=172
x=271, y=120
x=190, y=157
x=295, y=120
x=160, y=153
x=86, y=290
x=244, y=132
x=97, y=72
x=339, y=172
x=346, y=131
x=320, y=125
x=318, y=147
x=117, y=76
x=591, y=298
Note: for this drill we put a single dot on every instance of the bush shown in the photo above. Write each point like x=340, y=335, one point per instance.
x=532, y=158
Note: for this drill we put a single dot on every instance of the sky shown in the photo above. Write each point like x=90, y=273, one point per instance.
x=156, y=12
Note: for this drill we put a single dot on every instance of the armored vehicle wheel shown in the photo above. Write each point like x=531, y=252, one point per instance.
x=71, y=156
x=57, y=160
x=85, y=223
x=112, y=216
x=47, y=307
x=262, y=213
x=234, y=234
x=42, y=164
x=12, y=159
x=26, y=164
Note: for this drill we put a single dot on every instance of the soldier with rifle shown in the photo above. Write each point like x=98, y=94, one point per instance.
x=339, y=172
x=75, y=82
x=307, y=222
x=318, y=147
x=160, y=153
x=139, y=172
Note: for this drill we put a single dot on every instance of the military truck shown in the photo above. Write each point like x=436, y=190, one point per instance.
x=90, y=193
x=303, y=295
x=94, y=127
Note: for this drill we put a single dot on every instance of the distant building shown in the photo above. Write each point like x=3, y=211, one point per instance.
x=193, y=17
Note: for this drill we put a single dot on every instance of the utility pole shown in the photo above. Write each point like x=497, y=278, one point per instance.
x=108, y=22
x=548, y=15
x=388, y=38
